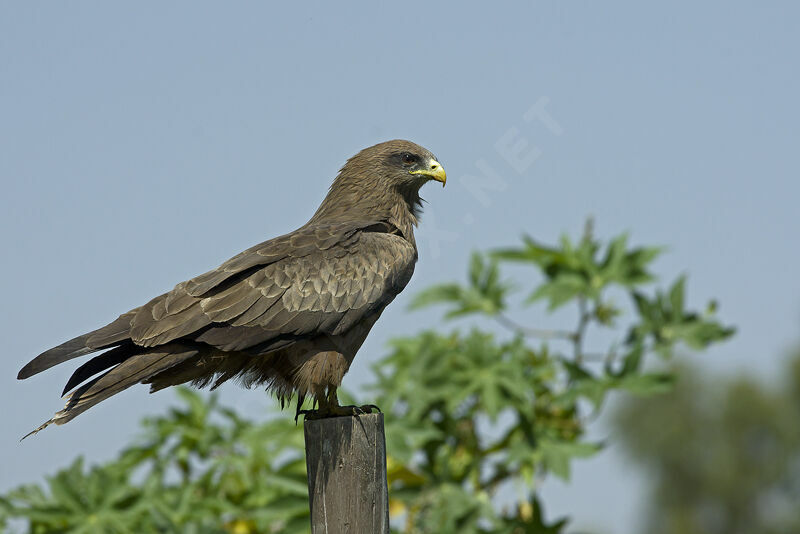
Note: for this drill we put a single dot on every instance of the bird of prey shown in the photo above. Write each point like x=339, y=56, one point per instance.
x=289, y=313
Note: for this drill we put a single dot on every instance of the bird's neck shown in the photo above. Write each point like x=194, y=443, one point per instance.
x=404, y=217
x=399, y=208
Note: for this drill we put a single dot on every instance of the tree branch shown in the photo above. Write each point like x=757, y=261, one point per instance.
x=580, y=331
x=532, y=332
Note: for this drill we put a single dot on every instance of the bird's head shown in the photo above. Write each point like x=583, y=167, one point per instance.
x=397, y=163
x=381, y=176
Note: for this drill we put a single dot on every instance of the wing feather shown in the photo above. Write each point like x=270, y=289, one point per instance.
x=107, y=336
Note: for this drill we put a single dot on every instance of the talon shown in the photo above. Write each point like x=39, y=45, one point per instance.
x=311, y=415
x=329, y=407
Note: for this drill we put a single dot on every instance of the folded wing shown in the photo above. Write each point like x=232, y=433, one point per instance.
x=317, y=280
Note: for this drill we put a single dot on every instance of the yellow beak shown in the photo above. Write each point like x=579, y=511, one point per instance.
x=434, y=170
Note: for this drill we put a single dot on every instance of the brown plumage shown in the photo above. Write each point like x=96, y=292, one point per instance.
x=289, y=313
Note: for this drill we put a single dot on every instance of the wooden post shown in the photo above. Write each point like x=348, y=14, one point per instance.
x=346, y=461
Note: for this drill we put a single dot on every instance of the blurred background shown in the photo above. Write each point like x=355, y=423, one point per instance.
x=141, y=145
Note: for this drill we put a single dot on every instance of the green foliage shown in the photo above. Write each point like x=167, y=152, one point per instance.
x=724, y=456
x=199, y=468
x=484, y=294
x=488, y=412
x=468, y=413
x=576, y=270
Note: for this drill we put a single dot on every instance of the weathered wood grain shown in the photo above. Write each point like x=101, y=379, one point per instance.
x=346, y=460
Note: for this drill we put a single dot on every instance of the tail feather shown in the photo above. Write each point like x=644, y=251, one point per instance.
x=99, y=363
x=132, y=370
x=102, y=338
x=121, y=377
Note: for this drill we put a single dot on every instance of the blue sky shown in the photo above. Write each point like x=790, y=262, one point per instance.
x=143, y=144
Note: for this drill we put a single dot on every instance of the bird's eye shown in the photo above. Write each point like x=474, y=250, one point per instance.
x=408, y=159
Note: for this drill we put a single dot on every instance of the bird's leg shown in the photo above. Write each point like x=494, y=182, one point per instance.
x=321, y=401
x=329, y=407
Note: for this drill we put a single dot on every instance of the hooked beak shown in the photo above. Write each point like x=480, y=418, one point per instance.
x=435, y=171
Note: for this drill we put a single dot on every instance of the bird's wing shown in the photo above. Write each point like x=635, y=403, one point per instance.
x=322, y=282
x=319, y=278
x=302, y=242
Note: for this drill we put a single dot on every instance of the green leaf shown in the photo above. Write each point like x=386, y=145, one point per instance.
x=560, y=290
x=631, y=362
x=558, y=455
x=647, y=384
x=644, y=307
x=532, y=252
x=676, y=296
x=476, y=269
x=438, y=294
